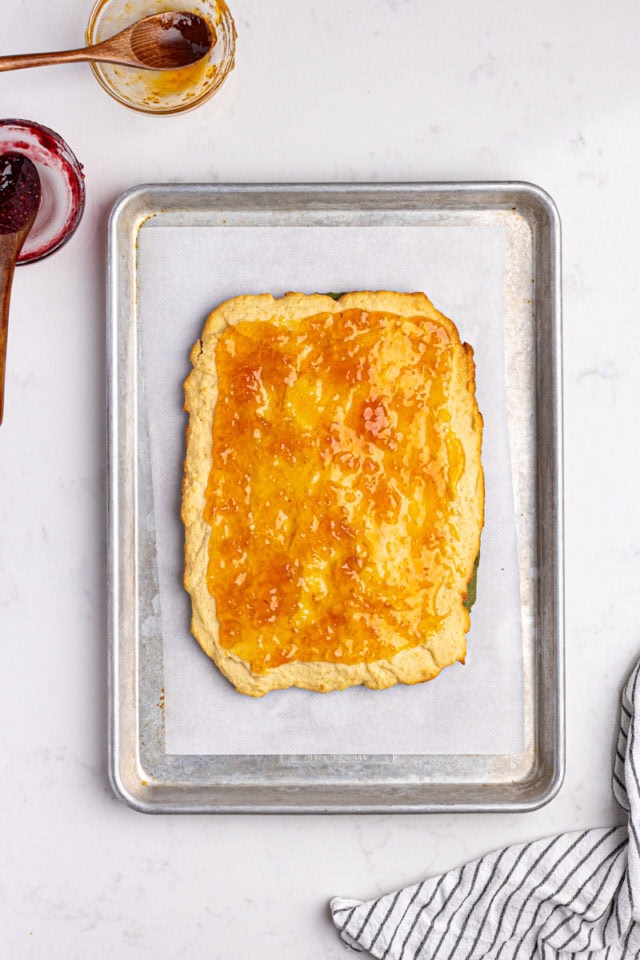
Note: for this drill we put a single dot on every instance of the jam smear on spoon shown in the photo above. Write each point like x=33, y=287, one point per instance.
x=20, y=192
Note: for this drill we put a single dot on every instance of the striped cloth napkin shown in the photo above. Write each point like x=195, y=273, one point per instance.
x=576, y=894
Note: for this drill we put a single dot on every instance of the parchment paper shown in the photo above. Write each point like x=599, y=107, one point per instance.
x=184, y=272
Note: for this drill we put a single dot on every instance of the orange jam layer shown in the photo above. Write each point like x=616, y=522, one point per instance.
x=331, y=493
x=189, y=80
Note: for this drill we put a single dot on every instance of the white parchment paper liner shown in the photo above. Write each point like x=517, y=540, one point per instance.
x=466, y=271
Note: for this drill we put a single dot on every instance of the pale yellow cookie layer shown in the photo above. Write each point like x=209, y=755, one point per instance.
x=413, y=665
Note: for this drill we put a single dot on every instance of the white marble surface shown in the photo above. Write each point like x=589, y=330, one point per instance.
x=394, y=90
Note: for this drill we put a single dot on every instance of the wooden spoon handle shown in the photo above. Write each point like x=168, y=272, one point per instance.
x=7, y=267
x=23, y=60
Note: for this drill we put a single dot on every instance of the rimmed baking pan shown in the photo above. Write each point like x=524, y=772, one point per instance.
x=487, y=735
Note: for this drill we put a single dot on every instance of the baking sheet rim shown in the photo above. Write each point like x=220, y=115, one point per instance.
x=128, y=777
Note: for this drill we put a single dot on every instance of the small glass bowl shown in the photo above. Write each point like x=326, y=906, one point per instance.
x=163, y=92
x=62, y=183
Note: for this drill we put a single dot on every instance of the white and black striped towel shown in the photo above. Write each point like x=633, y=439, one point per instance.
x=573, y=894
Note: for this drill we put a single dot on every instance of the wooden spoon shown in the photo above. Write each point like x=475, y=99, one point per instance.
x=19, y=201
x=163, y=41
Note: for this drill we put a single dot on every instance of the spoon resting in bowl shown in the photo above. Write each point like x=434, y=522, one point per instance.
x=20, y=192
x=162, y=41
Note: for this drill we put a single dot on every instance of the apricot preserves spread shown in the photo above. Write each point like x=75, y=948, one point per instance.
x=336, y=473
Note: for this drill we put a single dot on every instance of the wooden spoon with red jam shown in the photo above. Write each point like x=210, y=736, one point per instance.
x=20, y=192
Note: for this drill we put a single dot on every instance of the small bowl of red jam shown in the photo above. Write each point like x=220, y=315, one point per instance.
x=163, y=92
x=61, y=181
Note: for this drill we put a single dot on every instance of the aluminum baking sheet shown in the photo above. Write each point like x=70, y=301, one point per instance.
x=487, y=735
